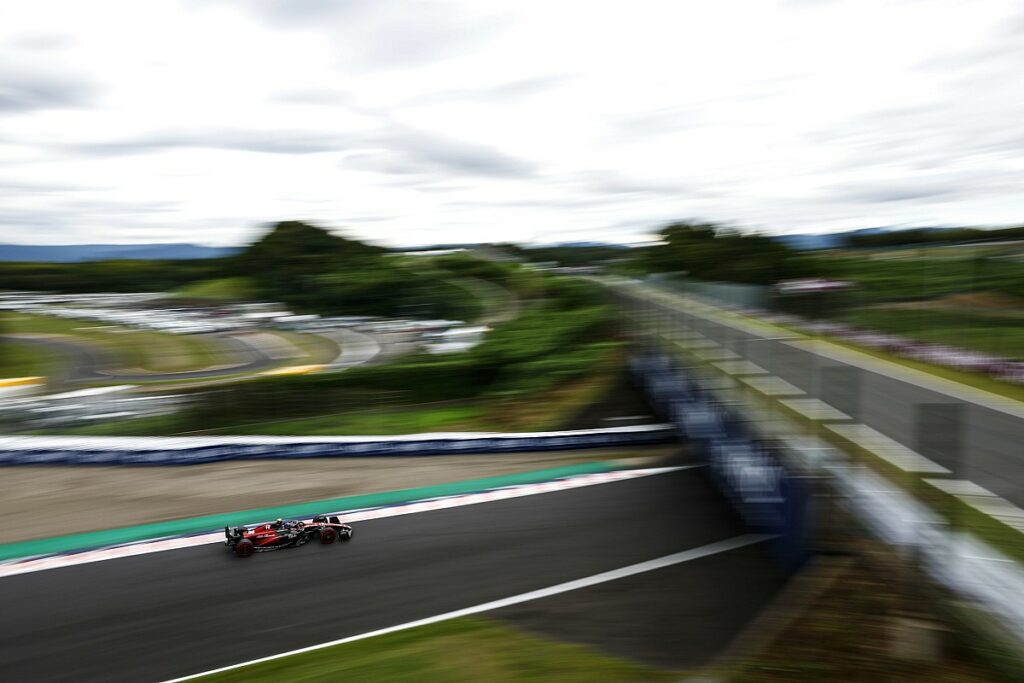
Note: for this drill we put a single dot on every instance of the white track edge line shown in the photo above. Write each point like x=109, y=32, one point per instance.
x=620, y=573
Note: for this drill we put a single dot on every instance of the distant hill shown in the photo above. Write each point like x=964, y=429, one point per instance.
x=810, y=242
x=581, y=245
x=78, y=253
x=838, y=240
x=570, y=254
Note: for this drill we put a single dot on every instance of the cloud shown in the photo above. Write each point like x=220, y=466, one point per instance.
x=400, y=150
x=511, y=115
x=72, y=220
x=45, y=42
x=439, y=152
x=382, y=33
x=296, y=12
x=13, y=187
x=392, y=150
x=609, y=182
x=945, y=134
x=267, y=142
x=17, y=218
x=318, y=96
x=526, y=202
x=502, y=92
x=24, y=90
x=905, y=191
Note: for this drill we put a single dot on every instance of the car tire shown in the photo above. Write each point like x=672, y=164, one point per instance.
x=244, y=548
x=328, y=535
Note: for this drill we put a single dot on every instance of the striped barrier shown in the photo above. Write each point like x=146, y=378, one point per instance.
x=194, y=450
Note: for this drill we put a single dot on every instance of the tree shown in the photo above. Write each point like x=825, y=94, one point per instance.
x=710, y=252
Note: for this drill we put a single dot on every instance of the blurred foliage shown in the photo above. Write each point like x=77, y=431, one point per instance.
x=894, y=279
x=846, y=631
x=989, y=332
x=566, y=330
x=124, y=348
x=543, y=373
x=719, y=254
x=220, y=289
x=107, y=276
x=926, y=236
x=465, y=265
x=22, y=359
x=462, y=650
x=569, y=255
x=305, y=267
x=314, y=271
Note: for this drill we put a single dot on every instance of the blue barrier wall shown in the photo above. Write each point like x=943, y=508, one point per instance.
x=749, y=471
x=198, y=450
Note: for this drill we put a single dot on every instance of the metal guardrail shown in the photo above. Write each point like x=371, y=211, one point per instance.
x=957, y=560
x=193, y=450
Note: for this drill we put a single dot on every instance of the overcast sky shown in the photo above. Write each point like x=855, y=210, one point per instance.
x=420, y=121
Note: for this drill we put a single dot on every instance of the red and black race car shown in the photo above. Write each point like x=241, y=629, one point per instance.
x=284, y=533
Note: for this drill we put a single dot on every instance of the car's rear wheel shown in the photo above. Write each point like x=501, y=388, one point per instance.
x=328, y=535
x=244, y=548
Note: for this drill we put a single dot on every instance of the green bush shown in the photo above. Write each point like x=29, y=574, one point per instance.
x=107, y=276
x=550, y=371
x=465, y=265
x=549, y=343
x=908, y=278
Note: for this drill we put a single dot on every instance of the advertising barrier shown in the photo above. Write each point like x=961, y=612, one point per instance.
x=749, y=471
x=71, y=450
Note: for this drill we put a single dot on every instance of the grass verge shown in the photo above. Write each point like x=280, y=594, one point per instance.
x=993, y=331
x=25, y=360
x=467, y=649
x=552, y=409
x=545, y=410
x=374, y=421
x=220, y=289
x=318, y=350
x=132, y=349
x=846, y=634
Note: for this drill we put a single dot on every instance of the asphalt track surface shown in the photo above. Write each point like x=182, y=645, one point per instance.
x=164, y=615
x=983, y=448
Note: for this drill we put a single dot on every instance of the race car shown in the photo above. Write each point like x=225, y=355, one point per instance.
x=243, y=541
